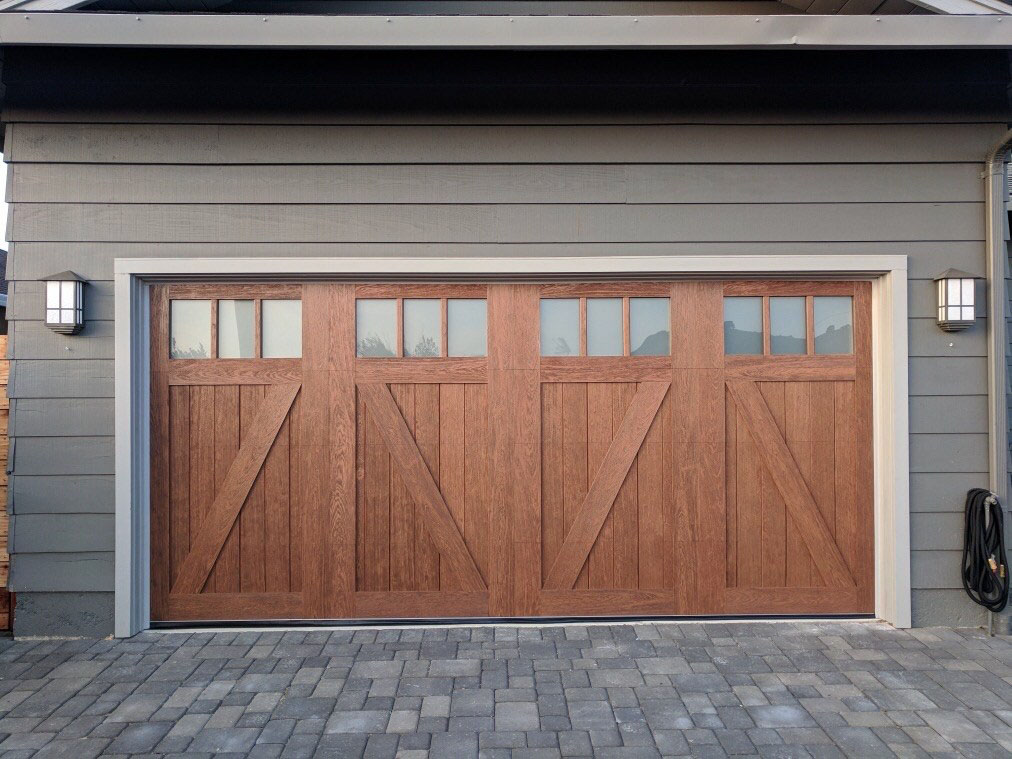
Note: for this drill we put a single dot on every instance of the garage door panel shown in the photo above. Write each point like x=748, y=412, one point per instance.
x=515, y=484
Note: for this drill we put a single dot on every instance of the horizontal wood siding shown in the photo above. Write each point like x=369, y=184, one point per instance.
x=85, y=193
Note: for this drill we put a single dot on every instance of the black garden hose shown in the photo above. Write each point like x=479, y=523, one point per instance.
x=985, y=568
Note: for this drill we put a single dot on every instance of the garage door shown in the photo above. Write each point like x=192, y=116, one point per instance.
x=429, y=450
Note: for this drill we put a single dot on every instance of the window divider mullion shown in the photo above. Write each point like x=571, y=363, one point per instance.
x=810, y=325
x=213, y=348
x=583, y=326
x=766, y=325
x=258, y=337
x=626, y=347
x=444, y=328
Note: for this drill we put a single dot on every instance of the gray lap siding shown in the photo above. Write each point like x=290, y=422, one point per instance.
x=83, y=194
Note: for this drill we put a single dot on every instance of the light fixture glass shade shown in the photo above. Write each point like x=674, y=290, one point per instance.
x=956, y=308
x=65, y=303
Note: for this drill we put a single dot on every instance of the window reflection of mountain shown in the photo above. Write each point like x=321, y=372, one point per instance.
x=657, y=344
x=835, y=340
x=741, y=341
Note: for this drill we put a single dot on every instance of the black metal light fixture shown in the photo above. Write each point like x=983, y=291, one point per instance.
x=956, y=307
x=65, y=302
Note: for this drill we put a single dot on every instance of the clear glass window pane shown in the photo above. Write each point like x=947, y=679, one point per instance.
x=787, y=326
x=376, y=327
x=834, y=324
x=52, y=294
x=190, y=329
x=466, y=326
x=421, y=327
x=236, y=329
x=743, y=326
x=281, y=328
x=604, y=326
x=649, y=326
x=560, y=326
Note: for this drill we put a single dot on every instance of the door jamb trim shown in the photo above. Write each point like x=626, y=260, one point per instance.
x=889, y=379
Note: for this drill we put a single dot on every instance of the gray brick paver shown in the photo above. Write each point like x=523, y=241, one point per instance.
x=822, y=689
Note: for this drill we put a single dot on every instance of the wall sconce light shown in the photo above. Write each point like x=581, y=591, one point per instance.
x=65, y=302
x=956, y=308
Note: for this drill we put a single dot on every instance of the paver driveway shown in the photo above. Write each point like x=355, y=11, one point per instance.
x=769, y=689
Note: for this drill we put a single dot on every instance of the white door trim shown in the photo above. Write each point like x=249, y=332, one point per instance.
x=889, y=370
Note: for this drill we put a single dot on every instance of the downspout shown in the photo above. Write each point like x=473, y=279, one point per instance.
x=996, y=254
x=994, y=191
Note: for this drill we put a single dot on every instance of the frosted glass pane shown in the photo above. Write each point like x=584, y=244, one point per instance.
x=649, y=326
x=67, y=315
x=376, y=327
x=190, y=329
x=281, y=328
x=52, y=294
x=834, y=324
x=53, y=315
x=235, y=329
x=954, y=292
x=67, y=294
x=560, y=327
x=968, y=313
x=604, y=326
x=743, y=326
x=466, y=326
x=968, y=287
x=787, y=326
x=421, y=327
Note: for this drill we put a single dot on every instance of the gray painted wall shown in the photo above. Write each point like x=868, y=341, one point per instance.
x=84, y=192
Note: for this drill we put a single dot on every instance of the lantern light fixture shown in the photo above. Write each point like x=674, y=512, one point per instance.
x=65, y=302
x=956, y=306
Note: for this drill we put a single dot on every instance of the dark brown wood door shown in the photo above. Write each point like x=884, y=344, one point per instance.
x=512, y=450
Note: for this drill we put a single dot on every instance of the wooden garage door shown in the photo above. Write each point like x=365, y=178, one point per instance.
x=510, y=450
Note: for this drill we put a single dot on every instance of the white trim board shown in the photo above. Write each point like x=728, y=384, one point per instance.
x=732, y=32
x=889, y=379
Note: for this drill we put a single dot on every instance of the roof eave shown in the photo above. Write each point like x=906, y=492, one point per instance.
x=506, y=32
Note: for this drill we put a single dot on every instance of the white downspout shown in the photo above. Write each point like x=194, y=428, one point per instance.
x=994, y=191
x=996, y=253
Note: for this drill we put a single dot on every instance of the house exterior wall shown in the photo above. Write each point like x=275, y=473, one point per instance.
x=380, y=165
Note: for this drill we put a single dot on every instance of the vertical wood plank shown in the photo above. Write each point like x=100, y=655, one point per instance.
x=402, y=507
x=179, y=472
x=476, y=475
x=316, y=491
x=515, y=432
x=864, y=445
x=374, y=564
x=361, y=509
x=252, y=554
x=552, y=474
x=650, y=501
x=600, y=569
x=202, y=455
x=295, y=510
x=749, y=508
x=277, y=513
x=667, y=490
x=339, y=525
x=225, y=574
x=575, y=474
x=823, y=484
x=798, y=418
x=624, y=511
x=845, y=475
x=451, y=466
x=427, y=437
x=697, y=395
x=774, y=510
x=163, y=481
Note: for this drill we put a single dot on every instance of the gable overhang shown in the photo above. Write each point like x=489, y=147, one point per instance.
x=223, y=31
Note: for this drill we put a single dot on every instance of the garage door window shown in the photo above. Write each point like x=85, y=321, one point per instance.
x=421, y=327
x=246, y=326
x=605, y=326
x=795, y=324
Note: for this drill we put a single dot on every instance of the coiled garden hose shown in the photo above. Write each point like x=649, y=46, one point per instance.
x=985, y=568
